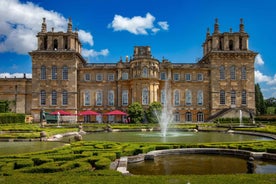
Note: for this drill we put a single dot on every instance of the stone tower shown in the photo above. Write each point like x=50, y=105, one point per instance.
x=231, y=65
x=54, y=70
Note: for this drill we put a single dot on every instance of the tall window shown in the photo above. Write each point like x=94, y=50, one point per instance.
x=176, y=97
x=200, y=97
x=233, y=73
x=233, y=97
x=176, y=117
x=111, y=98
x=221, y=73
x=188, y=97
x=145, y=96
x=54, y=72
x=222, y=97
x=54, y=97
x=231, y=45
x=43, y=73
x=99, y=98
x=145, y=72
x=87, y=98
x=200, y=117
x=163, y=96
x=243, y=73
x=42, y=97
x=188, y=77
x=64, y=97
x=188, y=116
x=125, y=76
x=243, y=97
x=163, y=76
x=176, y=77
x=65, y=73
x=125, y=97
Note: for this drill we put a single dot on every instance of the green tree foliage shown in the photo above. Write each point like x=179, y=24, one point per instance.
x=135, y=112
x=270, y=102
x=259, y=100
x=4, y=106
x=153, y=111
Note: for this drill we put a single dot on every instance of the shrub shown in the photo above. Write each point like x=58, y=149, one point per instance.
x=41, y=160
x=23, y=163
x=103, y=163
x=6, y=118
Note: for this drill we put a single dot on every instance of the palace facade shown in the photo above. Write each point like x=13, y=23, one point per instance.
x=221, y=83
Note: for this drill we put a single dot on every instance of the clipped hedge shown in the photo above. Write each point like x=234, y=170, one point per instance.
x=6, y=118
x=23, y=163
x=103, y=163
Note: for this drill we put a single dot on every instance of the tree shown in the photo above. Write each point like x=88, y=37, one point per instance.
x=154, y=110
x=259, y=100
x=135, y=112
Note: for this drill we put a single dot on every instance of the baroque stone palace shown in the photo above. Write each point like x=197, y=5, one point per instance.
x=220, y=84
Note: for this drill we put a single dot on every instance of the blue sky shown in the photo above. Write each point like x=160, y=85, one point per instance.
x=109, y=29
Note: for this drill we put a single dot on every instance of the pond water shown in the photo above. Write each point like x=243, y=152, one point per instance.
x=7, y=148
x=183, y=137
x=197, y=164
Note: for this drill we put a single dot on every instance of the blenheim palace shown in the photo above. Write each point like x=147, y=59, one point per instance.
x=220, y=84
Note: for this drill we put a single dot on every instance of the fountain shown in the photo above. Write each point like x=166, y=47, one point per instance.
x=165, y=117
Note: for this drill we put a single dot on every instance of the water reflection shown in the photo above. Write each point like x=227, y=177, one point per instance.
x=197, y=164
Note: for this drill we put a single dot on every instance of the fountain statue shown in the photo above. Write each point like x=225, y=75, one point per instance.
x=240, y=118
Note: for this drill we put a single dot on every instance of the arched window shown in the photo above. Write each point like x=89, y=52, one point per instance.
x=64, y=73
x=125, y=97
x=188, y=97
x=243, y=73
x=43, y=72
x=42, y=97
x=64, y=97
x=87, y=98
x=222, y=97
x=145, y=72
x=54, y=97
x=176, y=117
x=244, y=97
x=176, y=97
x=54, y=72
x=233, y=97
x=200, y=117
x=99, y=98
x=231, y=45
x=221, y=73
x=233, y=73
x=188, y=116
x=200, y=97
x=55, y=44
x=111, y=98
x=145, y=96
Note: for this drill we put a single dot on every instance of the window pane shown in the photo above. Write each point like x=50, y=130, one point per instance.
x=43, y=97
x=65, y=73
x=188, y=97
x=222, y=97
x=244, y=97
x=87, y=98
x=110, y=98
x=125, y=98
x=87, y=77
x=199, y=76
x=200, y=117
x=54, y=98
x=145, y=72
x=233, y=97
x=176, y=77
x=99, y=77
x=243, y=73
x=163, y=76
x=200, y=97
x=222, y=73
x=188, y=77
x=99, y=98
x=145, y=96
x=110, y=77
x=188, y=116
x=64, y=97
x=233, y=73
x=163, y=96
x=125, y=76
x=43, y=73
x=176, y=98
x=54, y=72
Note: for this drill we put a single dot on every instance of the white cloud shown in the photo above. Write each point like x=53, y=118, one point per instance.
x=259, y=60
x=259, y=77
x=93, y=53
x=137, y=24
x=20, y=22
x=15, y=75
x=164, y=25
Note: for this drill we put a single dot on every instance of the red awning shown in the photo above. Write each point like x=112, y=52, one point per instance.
x=88, y=112
x=61, y=112
x=115, y=112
